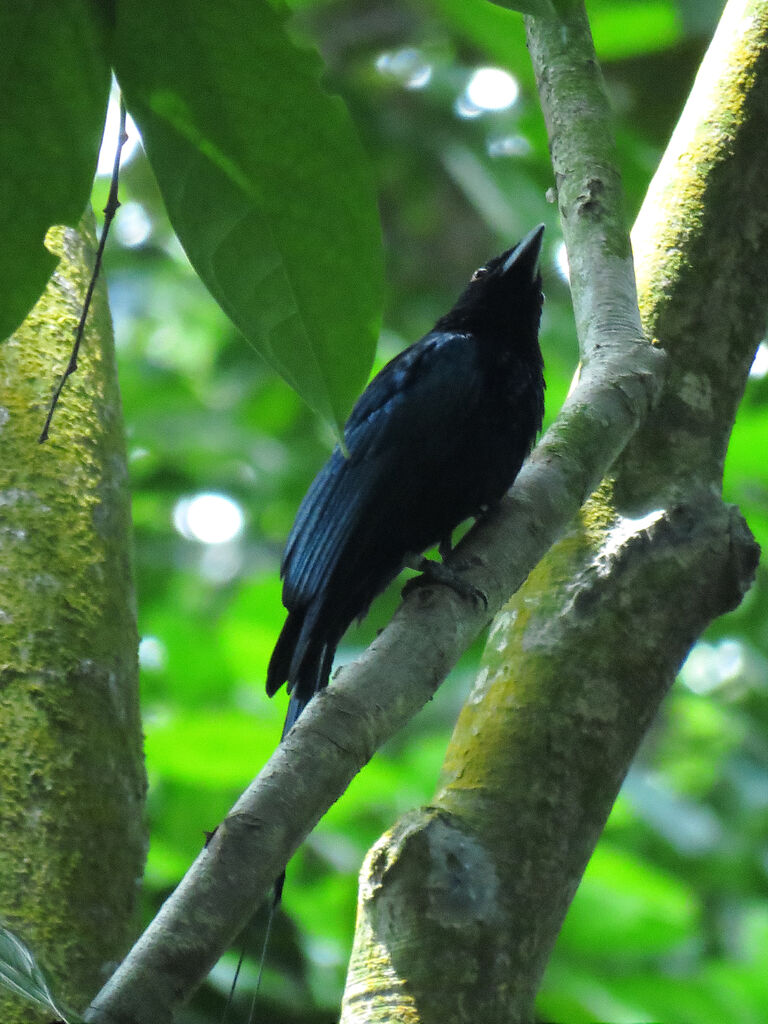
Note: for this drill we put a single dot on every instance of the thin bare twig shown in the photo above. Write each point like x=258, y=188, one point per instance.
x=113, y=203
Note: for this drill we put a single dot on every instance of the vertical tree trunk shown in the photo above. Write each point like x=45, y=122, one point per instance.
x=72, y=778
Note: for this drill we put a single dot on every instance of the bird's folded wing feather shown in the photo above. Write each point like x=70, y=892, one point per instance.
x=413, y=402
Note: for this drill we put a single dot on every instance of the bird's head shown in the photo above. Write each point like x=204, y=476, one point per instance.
x=505, y=293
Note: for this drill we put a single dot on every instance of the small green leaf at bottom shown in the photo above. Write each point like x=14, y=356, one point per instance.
x=20, y=973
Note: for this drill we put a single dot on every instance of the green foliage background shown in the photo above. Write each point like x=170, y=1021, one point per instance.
x=671, y=922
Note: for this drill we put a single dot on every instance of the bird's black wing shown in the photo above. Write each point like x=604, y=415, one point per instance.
x=418, y=399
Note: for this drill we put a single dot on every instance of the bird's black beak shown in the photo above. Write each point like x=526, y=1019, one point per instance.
x=525, y=255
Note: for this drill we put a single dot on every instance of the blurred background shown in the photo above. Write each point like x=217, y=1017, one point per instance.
x=671, y=921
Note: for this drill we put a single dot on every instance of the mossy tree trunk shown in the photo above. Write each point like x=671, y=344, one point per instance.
x=72, y=780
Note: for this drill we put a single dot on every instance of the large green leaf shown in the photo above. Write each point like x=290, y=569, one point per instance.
x=265, y=182
x=54, y=83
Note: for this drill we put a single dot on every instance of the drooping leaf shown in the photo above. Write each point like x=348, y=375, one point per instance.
x=54, y=82
x=265, y=182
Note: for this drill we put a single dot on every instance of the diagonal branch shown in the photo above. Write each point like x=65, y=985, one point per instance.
x=374, y=697
x=343, y=726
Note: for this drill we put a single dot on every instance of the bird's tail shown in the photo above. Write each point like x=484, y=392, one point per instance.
x=295, y=707
x=282, y=656
x=302, y=658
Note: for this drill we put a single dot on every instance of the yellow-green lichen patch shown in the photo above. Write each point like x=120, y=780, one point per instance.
x=70, y=742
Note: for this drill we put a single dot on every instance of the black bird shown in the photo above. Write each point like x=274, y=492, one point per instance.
x=438, y=436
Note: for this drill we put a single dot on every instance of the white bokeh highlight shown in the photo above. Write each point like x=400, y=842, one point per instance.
x=208, y=518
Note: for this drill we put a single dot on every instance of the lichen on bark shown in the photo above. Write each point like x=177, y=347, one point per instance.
x=71, y=761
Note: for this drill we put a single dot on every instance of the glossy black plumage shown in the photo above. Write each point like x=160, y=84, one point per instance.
x=437, y=436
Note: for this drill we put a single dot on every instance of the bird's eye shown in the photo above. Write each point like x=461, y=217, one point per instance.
x=480, y=272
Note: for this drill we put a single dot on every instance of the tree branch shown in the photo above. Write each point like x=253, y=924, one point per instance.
x=373, y=698
x=461, y=902
x=476, y=887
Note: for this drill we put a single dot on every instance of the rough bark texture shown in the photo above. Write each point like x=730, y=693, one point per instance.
x=461, y=903
x=71, y=769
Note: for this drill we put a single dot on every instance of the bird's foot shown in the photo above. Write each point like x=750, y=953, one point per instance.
x=437, y=572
